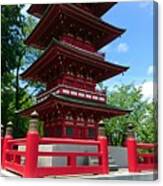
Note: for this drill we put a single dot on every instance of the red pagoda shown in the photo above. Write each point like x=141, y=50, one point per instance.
x=71, y=108
x=70, y=68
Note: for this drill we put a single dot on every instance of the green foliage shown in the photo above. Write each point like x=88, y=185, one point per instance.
x=12, y=23
x=142, y=115
x=16, y=57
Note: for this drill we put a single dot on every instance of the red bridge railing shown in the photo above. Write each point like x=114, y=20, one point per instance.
x=11, y=156
x=141, y=156
x=22, y=155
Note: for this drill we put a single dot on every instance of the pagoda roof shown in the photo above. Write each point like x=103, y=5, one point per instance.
x=76, y=54
x=98, y=9
x=52, y=99
x=51, y=25
x=37, y=10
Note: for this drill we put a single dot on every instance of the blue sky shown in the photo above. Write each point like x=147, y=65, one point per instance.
x=135, y=47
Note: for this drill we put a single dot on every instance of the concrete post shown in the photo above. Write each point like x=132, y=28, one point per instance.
x=32, y=145
x=101, y=129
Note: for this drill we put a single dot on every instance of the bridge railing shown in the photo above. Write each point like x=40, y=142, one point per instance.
x=22, y=155
x=141, y=156
x=13, y=158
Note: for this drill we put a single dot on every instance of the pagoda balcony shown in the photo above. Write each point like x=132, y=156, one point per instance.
x=77, y=81
x=97, y=95
x=77, y=41
x=80, y=44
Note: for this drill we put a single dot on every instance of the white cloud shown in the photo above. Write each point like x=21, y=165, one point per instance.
x=147, y=90
x=122, y=47
x=147, y=6
x=144, y=4
x=150, y=70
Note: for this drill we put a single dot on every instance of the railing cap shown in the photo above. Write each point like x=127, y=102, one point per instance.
x=10, y=124
x=9, y=128
x=33, y=123
x=130, y=129
x=34, y=114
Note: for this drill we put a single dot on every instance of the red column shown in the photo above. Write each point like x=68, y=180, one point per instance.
x=5, y=147
x=32, y=145
x=2, y=139
x=72, y=162
x=132, y=154
x=104, y=151
x=8, y=136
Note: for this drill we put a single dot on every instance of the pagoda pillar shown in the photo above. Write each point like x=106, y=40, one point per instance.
x=2, y=139
x=103, y=148
x=8, y=136
x=132, y=149
x=30, y=169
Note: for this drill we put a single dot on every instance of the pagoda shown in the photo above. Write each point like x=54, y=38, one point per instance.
x=71, y=67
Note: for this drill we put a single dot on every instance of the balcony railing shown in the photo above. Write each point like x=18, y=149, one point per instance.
x=74, y=92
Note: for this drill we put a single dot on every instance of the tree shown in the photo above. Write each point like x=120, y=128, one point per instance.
x=12, y=23
x=142, y=115
x=15, y=58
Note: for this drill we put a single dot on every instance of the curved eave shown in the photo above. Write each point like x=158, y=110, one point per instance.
x=72, y=52
x=111, y=32
x=38, y=10
x=53, y=99
x=101, y=7
x=107, y=6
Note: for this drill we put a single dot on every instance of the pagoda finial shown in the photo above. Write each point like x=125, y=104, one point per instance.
x=33, y=121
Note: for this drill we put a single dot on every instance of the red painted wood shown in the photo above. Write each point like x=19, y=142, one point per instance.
x=45, y=140
x=17, y=142
x=17, y=168
x=78, y=43
x=141, y=161
x=103, y=148
x=2, y=141
x=146, y=145
x=30, y=169
x=145, y=166
x=97, y=154
x=5, y=147
x=42, y=172
x=143, y=155
x=132, y=154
